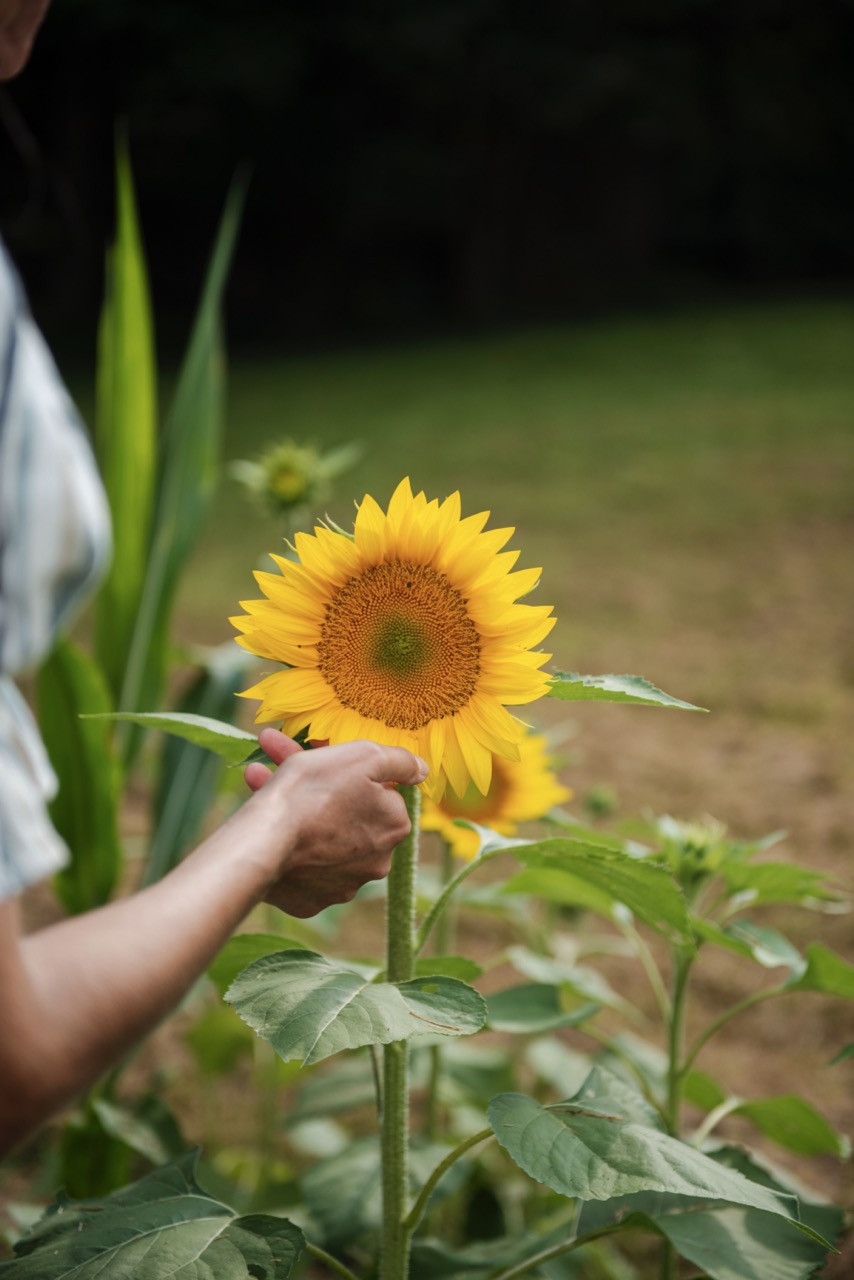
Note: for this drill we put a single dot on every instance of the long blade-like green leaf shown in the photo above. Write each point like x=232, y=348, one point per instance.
x=190, y=459
x=84, y=811
x=569, y=686
x=126, y=428
x=188, y=774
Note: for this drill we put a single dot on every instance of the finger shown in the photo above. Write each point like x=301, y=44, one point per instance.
x=396, y=764
x=256, y=774
x=277, y=745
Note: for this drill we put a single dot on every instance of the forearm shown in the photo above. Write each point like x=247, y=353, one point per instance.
x=76, y=996
x=90, y=987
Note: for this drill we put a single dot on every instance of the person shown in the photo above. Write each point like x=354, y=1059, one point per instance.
x=75, y=996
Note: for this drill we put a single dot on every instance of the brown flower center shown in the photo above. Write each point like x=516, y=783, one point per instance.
x=397, y=645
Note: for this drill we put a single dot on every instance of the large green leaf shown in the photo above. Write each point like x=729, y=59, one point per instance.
x=165, y=1225
x=223, y=739
x=189, y=465
x=188, y=773
x=84, y=811
x=825, y=972
x=309, y=1007
x=729, y=1242
x=795, y=1124
x=533, y=1008
x=125, y=428
x=576, y=873
x=569, y=686
x=604, y=1143
x=240, y=951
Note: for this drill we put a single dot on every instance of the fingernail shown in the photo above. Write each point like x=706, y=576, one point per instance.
x=423, y=768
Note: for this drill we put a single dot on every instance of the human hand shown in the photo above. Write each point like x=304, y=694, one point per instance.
x=336, y=817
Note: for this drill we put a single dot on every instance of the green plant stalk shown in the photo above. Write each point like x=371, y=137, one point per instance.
x=526, y=1268
x=442, y=946
x=420, y=1206
x=435, y=912
x=400, y=966
x=675, y=1032
x=715, y=1025
x=650, y=968
x=682, y=962
x=327, y=1259
x=713, y=1119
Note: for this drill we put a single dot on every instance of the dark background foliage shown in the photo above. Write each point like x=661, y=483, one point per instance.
x=438, y=164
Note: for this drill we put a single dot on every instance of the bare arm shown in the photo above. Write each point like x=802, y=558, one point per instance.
x=77, y=995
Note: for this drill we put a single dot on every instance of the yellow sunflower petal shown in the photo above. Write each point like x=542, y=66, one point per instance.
x=410, y=634
x=477, y=756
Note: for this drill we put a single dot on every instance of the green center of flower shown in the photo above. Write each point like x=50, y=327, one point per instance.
x=400, y=647
x=397, y=645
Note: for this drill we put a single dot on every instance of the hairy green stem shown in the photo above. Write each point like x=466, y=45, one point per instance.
x=420, y=1206
x=442, y=946
x=682, y=961
x=675, y=1032
x=332, y=1263
x=400, y=963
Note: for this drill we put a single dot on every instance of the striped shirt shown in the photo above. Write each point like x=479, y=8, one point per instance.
x=54, y=541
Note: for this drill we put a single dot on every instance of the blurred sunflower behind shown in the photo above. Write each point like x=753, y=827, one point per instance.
x=292, y=480
x=523, y=790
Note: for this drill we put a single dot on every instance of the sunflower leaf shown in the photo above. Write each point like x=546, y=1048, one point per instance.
x=595, y=878
x=164, y=1224
x=728, y=1242
x=569, y=686
x=604, y=1143
x=534, y=1007
x=240, y=951
x=309, y=1007
x=224, y=739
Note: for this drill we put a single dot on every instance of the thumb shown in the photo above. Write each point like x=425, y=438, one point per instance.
x=399, y=765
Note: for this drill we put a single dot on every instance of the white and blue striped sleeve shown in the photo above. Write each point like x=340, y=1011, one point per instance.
x=54, y=541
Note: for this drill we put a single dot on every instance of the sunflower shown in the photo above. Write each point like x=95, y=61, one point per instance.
x=409, y=633
x=520, y=791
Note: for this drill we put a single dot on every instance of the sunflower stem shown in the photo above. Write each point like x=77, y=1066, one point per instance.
x=442, y=945
x=400, y=966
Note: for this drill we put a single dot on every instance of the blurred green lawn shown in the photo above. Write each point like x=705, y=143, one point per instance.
x=679, y=477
